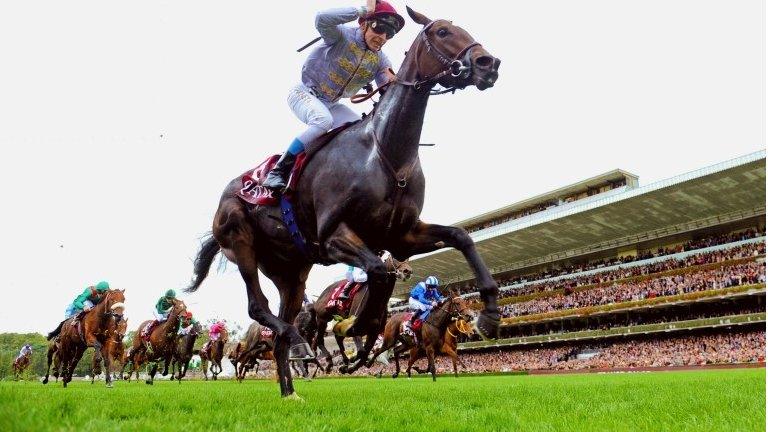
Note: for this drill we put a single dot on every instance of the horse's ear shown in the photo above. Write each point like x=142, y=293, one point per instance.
x=417, y=17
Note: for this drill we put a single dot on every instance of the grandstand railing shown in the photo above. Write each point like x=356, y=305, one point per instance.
x=722, y=321
x=752, y=289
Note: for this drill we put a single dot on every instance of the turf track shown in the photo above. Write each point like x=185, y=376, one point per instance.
x=728, y=400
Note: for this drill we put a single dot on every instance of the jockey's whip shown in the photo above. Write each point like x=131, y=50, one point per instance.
x=312, y=42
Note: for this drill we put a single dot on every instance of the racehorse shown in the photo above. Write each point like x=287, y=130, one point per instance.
x=185, y=349
x=162, y=341
x=258, y=344
x=116, y=330
x=20, y=364
x=449, y=347
x=430, y=337
x=306, y=324
x=87, y=329
x=360, y=193
x=213, y=352
x=324, y=314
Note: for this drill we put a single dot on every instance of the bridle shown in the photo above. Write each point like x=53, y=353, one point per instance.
x=460, y=66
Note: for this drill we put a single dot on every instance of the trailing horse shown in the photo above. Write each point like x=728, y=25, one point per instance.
x=87, y=329
x=258, y=344
x=431, y=335
x=185, y=349
x=359, y=194
x=161, y=345
x=449, y=347
x=213, y=352
x=116, y=350
x=325, y=314
x=20, y=364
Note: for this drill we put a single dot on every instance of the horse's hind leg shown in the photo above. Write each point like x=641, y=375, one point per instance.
x=49, y=355
x=320, y=342
x=291, y=294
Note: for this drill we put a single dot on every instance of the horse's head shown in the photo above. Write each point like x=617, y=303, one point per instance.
x=459, y=309
x=122, y=329
x=114, y=304
x=178, y=306
x=448, y=55
x=401, y=269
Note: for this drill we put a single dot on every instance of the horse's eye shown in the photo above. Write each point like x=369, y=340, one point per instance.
x=442, y=32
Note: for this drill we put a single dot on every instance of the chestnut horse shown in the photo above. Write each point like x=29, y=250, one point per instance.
x=87, y=329
x=401, y=270
x=162, y=341
x=116, y=331
x=431, y=335
x=449, y=347
x=213, y=353
x=359, y=194
x=254, y=347
x=20, y=364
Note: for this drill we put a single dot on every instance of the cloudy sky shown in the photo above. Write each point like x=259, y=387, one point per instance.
x=120, y=123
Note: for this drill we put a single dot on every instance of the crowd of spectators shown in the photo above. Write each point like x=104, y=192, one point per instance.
x=753, y=249
x=715, y=348
x=724, y=277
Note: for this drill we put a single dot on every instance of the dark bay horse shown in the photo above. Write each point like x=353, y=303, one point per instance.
x=359, y=194
x=91, y=331
x=185, y=349
x=212, y=353
x=324, y=315
x=431, y=335
x=162, y=341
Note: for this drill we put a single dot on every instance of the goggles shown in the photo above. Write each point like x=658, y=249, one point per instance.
x=384, y=26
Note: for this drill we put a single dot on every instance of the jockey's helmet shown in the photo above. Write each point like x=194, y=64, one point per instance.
x=170, y=293
x=431, y=282
x=102, y=286
x=188, y=315
x=384, y=19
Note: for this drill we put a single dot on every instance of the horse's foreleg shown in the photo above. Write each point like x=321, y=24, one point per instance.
x=425, y=238
x=106, y=349
x=454, y=358
x=431, y=359
x=320, y=344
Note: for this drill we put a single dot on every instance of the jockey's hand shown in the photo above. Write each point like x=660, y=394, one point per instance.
x=86, y=308
x=434, y=303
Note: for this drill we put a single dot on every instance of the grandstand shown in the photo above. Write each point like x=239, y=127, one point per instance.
x=671, y=273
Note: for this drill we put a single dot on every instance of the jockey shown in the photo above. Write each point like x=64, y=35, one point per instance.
x=186, y=323
x=90, y=297
x=163, y=306
x=424, y=296
x=348, y=59
x=354, y=275
x=25, y=350
x=214, y=333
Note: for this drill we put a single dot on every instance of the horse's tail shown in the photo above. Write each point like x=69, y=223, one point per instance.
x=56, y=331
x=203, y=262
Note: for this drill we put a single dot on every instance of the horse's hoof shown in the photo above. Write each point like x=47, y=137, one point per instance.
x=109, y=385
x=487, y=326
x=343, y=327
x=293, y=397
x=45, y=380
x=300, y=351
x=149, y=382
x=343, y=369
x=394, y=375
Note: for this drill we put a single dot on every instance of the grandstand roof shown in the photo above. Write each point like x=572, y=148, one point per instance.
x=725, y=192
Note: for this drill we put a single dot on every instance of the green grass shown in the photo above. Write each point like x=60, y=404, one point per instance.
x=728, y=400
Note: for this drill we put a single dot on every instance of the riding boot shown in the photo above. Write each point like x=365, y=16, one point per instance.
x=277, y=179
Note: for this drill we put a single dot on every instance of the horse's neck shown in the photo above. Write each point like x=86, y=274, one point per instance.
x=398, y=120
x=438, y=317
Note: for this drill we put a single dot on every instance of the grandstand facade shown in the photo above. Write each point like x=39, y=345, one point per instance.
x=672, y=272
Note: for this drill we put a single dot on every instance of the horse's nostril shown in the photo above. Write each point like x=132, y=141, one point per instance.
x=484, y=62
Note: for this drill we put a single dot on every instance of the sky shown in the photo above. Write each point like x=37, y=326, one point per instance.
x=121, y=122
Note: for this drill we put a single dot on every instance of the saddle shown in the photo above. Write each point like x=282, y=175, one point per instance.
x=339, y=306
x=252, y=190
x=146, y=334
x=410, y=329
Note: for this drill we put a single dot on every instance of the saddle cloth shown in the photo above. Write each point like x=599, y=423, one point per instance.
x=252, y=190
x=342, y=306
x=267, y=333
x=406, y=328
